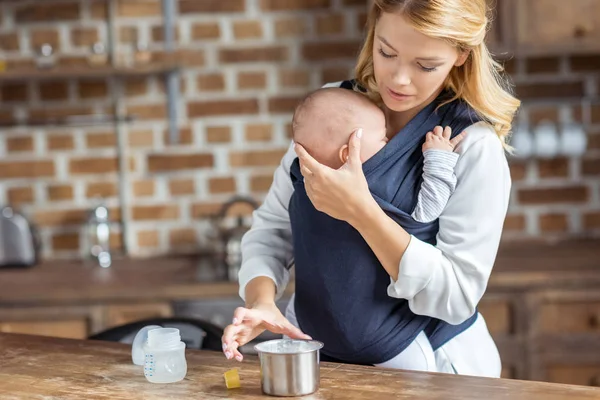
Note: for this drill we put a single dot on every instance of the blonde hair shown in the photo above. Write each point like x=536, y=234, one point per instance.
x=463, y=24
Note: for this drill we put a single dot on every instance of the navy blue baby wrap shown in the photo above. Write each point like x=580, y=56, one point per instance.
x=341, y=287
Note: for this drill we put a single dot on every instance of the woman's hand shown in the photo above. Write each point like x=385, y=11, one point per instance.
x=341, y=193
x=248, y=323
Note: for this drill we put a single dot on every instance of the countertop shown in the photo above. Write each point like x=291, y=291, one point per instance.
x=569, y=264
x=33, y=367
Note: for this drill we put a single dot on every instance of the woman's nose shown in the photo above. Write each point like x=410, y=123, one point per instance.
x=401, y=77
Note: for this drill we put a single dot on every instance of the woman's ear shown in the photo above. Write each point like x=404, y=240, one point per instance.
x=344, y=150
x=462, y=58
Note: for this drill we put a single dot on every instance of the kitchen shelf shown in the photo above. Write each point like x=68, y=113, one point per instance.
x=86, y=72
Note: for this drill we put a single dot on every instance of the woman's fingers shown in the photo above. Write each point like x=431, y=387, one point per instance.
x=354, y=148
x=306, y=160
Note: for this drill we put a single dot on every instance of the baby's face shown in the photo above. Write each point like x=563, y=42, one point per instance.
x=374, y=134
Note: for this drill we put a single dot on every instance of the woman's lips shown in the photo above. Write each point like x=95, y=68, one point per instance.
x=398, y=96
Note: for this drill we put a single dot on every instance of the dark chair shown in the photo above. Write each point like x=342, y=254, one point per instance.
x=197, y=334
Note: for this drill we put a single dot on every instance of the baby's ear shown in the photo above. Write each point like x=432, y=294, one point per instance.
x=344, y=150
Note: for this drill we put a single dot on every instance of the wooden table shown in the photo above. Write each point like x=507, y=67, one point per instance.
x=33, y=367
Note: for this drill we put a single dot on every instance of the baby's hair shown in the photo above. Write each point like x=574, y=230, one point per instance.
x=347, y=104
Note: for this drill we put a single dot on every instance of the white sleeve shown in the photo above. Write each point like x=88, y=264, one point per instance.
x=267, y=246
x=446, y=281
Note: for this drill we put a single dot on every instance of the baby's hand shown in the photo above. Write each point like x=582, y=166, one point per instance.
x=439, y=139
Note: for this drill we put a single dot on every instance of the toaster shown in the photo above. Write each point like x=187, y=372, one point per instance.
x=19, y=242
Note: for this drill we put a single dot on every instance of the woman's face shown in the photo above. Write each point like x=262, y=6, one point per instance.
x=410, y=68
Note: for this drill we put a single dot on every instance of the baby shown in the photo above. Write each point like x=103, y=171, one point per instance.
x=324, y=121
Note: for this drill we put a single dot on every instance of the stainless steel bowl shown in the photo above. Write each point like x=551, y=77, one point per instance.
x=289, y=367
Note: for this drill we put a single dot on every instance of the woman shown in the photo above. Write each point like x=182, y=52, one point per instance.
x=414, y=50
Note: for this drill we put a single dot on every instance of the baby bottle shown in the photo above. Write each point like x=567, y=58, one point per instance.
x=164, y=356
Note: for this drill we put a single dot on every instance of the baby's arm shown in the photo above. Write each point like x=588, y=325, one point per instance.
x=439, y=180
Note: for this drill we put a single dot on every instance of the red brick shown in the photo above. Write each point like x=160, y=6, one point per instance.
x=542, y=65
x=148, y=111
x=261, y=183
x=361, y=20
x=61, y=111
x=253, y=54
x=98, y=9
x=554, y=223
x=186, y=136
x=26, y=169
x=211, y=82
x=181, y=187
x=177, y=162
x=20, y=195
x=256, y=158
x=595, y=112
x=148, y=238
x=13, y=92
x=291, y=27
x=183, y=57
x=128, y=34
x=259, y=132
x=548, y=113
x=288, y=5
x=211, y=6
x=54, y=91
x=158, y=34
x=252, y=80
x=139, y=8
x=594, y=141
x=14, y=64
x=591, y=220
x=155, y=212
x=340, y=49
x=90, y=89
x=514, y=222
x=294, y=78
x=330, y=24
x=208, y=30
x=222, y=185
x=552, y=90
x=203, y=210
x=73, y=61
x=518, y=170
x=19, y=144
x=143, y=188
x=65, y=241
x=247, y=30
x=182, y=237
x=82, y=36
x=585, y=63
x=139, y=139
x=136, y=87
x=45, y=12
x=60, y=142
x=334, y=74
x=567, y=194
x=101, y=189
x=9, y=42
x=553, y=168
x=222, y=107
x=98, y=140
x=68, y=217
x=39, y=37
x=60, y=192
x=283, y=104
x=97, y=165
x=218, y=134
x=590, y=167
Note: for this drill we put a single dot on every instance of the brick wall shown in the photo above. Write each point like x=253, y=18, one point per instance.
x=246, y=64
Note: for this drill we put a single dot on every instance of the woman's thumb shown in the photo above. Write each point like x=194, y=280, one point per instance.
x=354, y=150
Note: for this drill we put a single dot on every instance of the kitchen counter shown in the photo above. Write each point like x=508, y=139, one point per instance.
x=530, y=265
x=33, y=367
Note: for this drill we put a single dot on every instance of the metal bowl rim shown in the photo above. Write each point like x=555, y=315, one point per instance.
x=319, y=346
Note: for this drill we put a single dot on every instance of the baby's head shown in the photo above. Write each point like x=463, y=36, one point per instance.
x=325, y=119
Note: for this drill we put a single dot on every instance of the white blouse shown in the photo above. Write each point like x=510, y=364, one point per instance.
x=445, y=281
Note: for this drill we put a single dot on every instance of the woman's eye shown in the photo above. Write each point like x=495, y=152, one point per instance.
x=426, y=69
x=384, y=54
